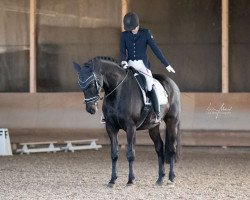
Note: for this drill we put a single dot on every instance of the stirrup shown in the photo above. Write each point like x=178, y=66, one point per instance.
x=103, y=120
x=157, y=119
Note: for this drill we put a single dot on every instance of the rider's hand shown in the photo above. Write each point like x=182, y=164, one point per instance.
x=124, y=64
x=170, y=69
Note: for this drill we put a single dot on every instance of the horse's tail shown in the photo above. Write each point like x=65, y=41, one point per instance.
x=178, y=145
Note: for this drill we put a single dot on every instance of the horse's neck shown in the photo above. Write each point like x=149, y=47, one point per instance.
x=112, y=76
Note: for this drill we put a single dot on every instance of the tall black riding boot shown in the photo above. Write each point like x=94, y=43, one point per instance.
x=155, y=104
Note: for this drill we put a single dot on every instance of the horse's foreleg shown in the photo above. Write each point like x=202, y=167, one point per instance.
x=113, y=135
x=131, y=153
x=156, y=137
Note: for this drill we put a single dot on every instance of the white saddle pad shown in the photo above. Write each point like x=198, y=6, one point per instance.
x=161, y=93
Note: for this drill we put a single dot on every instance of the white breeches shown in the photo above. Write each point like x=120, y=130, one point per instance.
x=139, y=66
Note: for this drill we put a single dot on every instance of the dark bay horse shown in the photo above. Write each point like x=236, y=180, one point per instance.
x=122, y=108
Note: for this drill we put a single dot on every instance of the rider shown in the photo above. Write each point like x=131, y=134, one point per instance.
x=133, y=46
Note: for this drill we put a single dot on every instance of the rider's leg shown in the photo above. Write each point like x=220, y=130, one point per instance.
x=155, y=103
x=139, y=65
x=152, y=93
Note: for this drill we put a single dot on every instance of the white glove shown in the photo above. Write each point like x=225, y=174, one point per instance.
x=170, y=69
x=124, y=64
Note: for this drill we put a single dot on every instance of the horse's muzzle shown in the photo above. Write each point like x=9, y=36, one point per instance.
x=91, y=108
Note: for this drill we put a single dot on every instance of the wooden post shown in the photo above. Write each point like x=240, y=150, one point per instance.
x=32, y=46
x=124, y=11
x=225, y=47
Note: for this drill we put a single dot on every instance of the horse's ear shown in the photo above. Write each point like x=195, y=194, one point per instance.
x=77, y=67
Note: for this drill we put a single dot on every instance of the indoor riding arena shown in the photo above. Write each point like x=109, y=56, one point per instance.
x=51, y=147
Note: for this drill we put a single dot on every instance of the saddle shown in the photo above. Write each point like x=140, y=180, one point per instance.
x=160, y=92
x=162, y=95
x=142, y=84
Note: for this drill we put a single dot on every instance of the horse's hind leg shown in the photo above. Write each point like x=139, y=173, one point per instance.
x=156, y=137
x=113, y=135
x=131, y=130
x=172, y=144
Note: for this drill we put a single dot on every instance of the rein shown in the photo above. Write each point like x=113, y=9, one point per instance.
x=115, y=87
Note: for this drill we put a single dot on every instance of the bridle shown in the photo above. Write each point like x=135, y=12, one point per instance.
x=93, y=78
x=84, y=85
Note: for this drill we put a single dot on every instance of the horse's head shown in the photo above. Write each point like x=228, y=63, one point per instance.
x=91, y=84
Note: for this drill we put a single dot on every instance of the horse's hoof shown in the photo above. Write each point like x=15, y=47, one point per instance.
x=130, y=180
x=130, y=183
x=159, y=182
x=111, y=185
x=170, y=183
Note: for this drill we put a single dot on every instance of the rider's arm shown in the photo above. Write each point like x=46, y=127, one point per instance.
x=123, y=53
x=156, y=50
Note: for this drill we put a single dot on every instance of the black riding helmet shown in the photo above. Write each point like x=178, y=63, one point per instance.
x=130, y=21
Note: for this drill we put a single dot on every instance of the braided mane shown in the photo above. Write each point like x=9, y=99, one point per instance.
x=101, y=58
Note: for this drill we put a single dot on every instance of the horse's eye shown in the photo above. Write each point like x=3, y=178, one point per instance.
x=91, y=85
